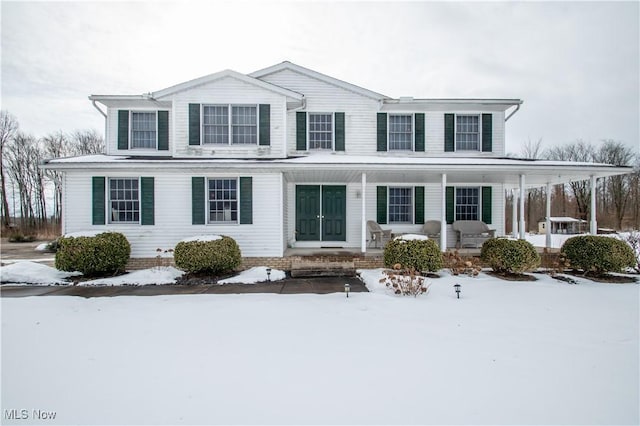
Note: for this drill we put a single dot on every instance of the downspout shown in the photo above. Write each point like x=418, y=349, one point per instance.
x=105, y=123
x=99, y=110
x=512, y=112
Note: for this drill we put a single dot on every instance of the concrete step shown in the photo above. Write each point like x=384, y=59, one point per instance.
x=318, y=268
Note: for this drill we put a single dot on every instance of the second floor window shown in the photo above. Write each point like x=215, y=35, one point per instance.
x=241, y=129
x=467, y=203
x=400, y=132
x=143, y=129
x=320, y=131
x=467, y=133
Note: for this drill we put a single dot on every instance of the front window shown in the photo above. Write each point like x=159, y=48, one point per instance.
x=467, y=132
x=143, y=130
x=320, y=131
x=223, y=200
x=219, y=128
x=400, y=205
x=400, y=132
x=124, y=200
x=467, y=203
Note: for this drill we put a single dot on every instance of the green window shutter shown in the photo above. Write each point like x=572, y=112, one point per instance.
x=246, y=200
x=147, y=212
x=197, y=201
x=123, y=129
x=194, y=124
x=98, y=202
x=265, y=124
x=449, y=132
x=487, y=132
x=382, y=132
x=163, y=130
x=301, y=131
x=381, y=203
x=419, y=126
x=418, y=205
x=486, y=204
x=449, y=203
x=339, y=135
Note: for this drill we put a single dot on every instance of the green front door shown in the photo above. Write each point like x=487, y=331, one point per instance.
x=334, y=213
x=307, y=213
x=321, y=213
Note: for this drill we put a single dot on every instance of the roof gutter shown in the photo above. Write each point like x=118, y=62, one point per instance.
x=513, y=112
x=93, y=101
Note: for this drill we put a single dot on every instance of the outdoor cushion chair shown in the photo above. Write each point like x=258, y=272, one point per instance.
x=431, y=229
x=472, y=233
x=377, y=234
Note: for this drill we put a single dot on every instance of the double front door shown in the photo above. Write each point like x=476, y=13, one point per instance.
x=321, y=212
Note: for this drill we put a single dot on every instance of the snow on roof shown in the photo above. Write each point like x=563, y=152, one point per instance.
x=566, y=219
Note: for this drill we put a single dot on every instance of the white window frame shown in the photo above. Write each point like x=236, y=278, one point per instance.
x=131, y=112
x=455, y=132
x=208, y=201
x=413, y=131
x=229, y=125
x=411, y=207
x=333, y=131
x=455, y=201
x=110, y=209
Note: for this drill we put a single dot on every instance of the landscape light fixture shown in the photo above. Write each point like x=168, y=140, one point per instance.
x=457, y=287
x=347, y=289
x=268, y=274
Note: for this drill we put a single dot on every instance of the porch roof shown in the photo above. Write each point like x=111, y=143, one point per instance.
x=383, y=168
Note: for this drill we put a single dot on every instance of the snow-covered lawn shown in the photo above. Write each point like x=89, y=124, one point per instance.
x=542, y=352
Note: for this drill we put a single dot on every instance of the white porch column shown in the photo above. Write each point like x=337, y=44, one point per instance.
x=594, y=223
x=547, y=223
x=514, y=213
x=363, y=241
x=521, y=225
x=443, y=214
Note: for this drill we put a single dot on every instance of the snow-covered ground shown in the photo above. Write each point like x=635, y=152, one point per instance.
x=542, y=352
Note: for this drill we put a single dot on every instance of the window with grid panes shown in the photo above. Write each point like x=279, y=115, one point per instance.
x=400, y=205
x=143, y=129
x=320, y=131
x=223, y=200
x=215, y=124
x=468, y=132
x=400, y=132
x=124, y=200
x=467, y=203
x=244, y=125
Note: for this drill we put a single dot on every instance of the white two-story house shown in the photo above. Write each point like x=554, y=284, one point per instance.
x=287, y=157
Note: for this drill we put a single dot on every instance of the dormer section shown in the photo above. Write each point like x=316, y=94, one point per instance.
x=136, y=125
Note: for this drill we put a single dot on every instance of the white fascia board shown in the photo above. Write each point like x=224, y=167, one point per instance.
x=449, y=104
x=318, y=76
x=129, y=101
x=222, y=74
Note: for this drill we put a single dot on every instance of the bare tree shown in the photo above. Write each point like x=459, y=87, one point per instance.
x=86, y=142
x=56, y=145
x=535, y=196
x=616, y=188
x=8, y=129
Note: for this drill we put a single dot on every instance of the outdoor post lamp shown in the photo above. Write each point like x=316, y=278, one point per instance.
x=457, y=287
x=347, y=288
x=268, y=274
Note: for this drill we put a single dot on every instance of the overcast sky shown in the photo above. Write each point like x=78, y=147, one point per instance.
x=575, y=65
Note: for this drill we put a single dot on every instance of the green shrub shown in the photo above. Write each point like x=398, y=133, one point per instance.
x=421, y=255
x=509, y=256
x=208, y=256
x=598, y=254
x=106, y=253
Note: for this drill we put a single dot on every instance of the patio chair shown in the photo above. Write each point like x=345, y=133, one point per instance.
x=377, y=234
x=431, y=229
x=472, y=233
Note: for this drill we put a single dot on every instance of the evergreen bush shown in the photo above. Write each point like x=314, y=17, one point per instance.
x=421, y=255
x=509, y=256
x=213, y=256
x=106, y=253
x=598, y=254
